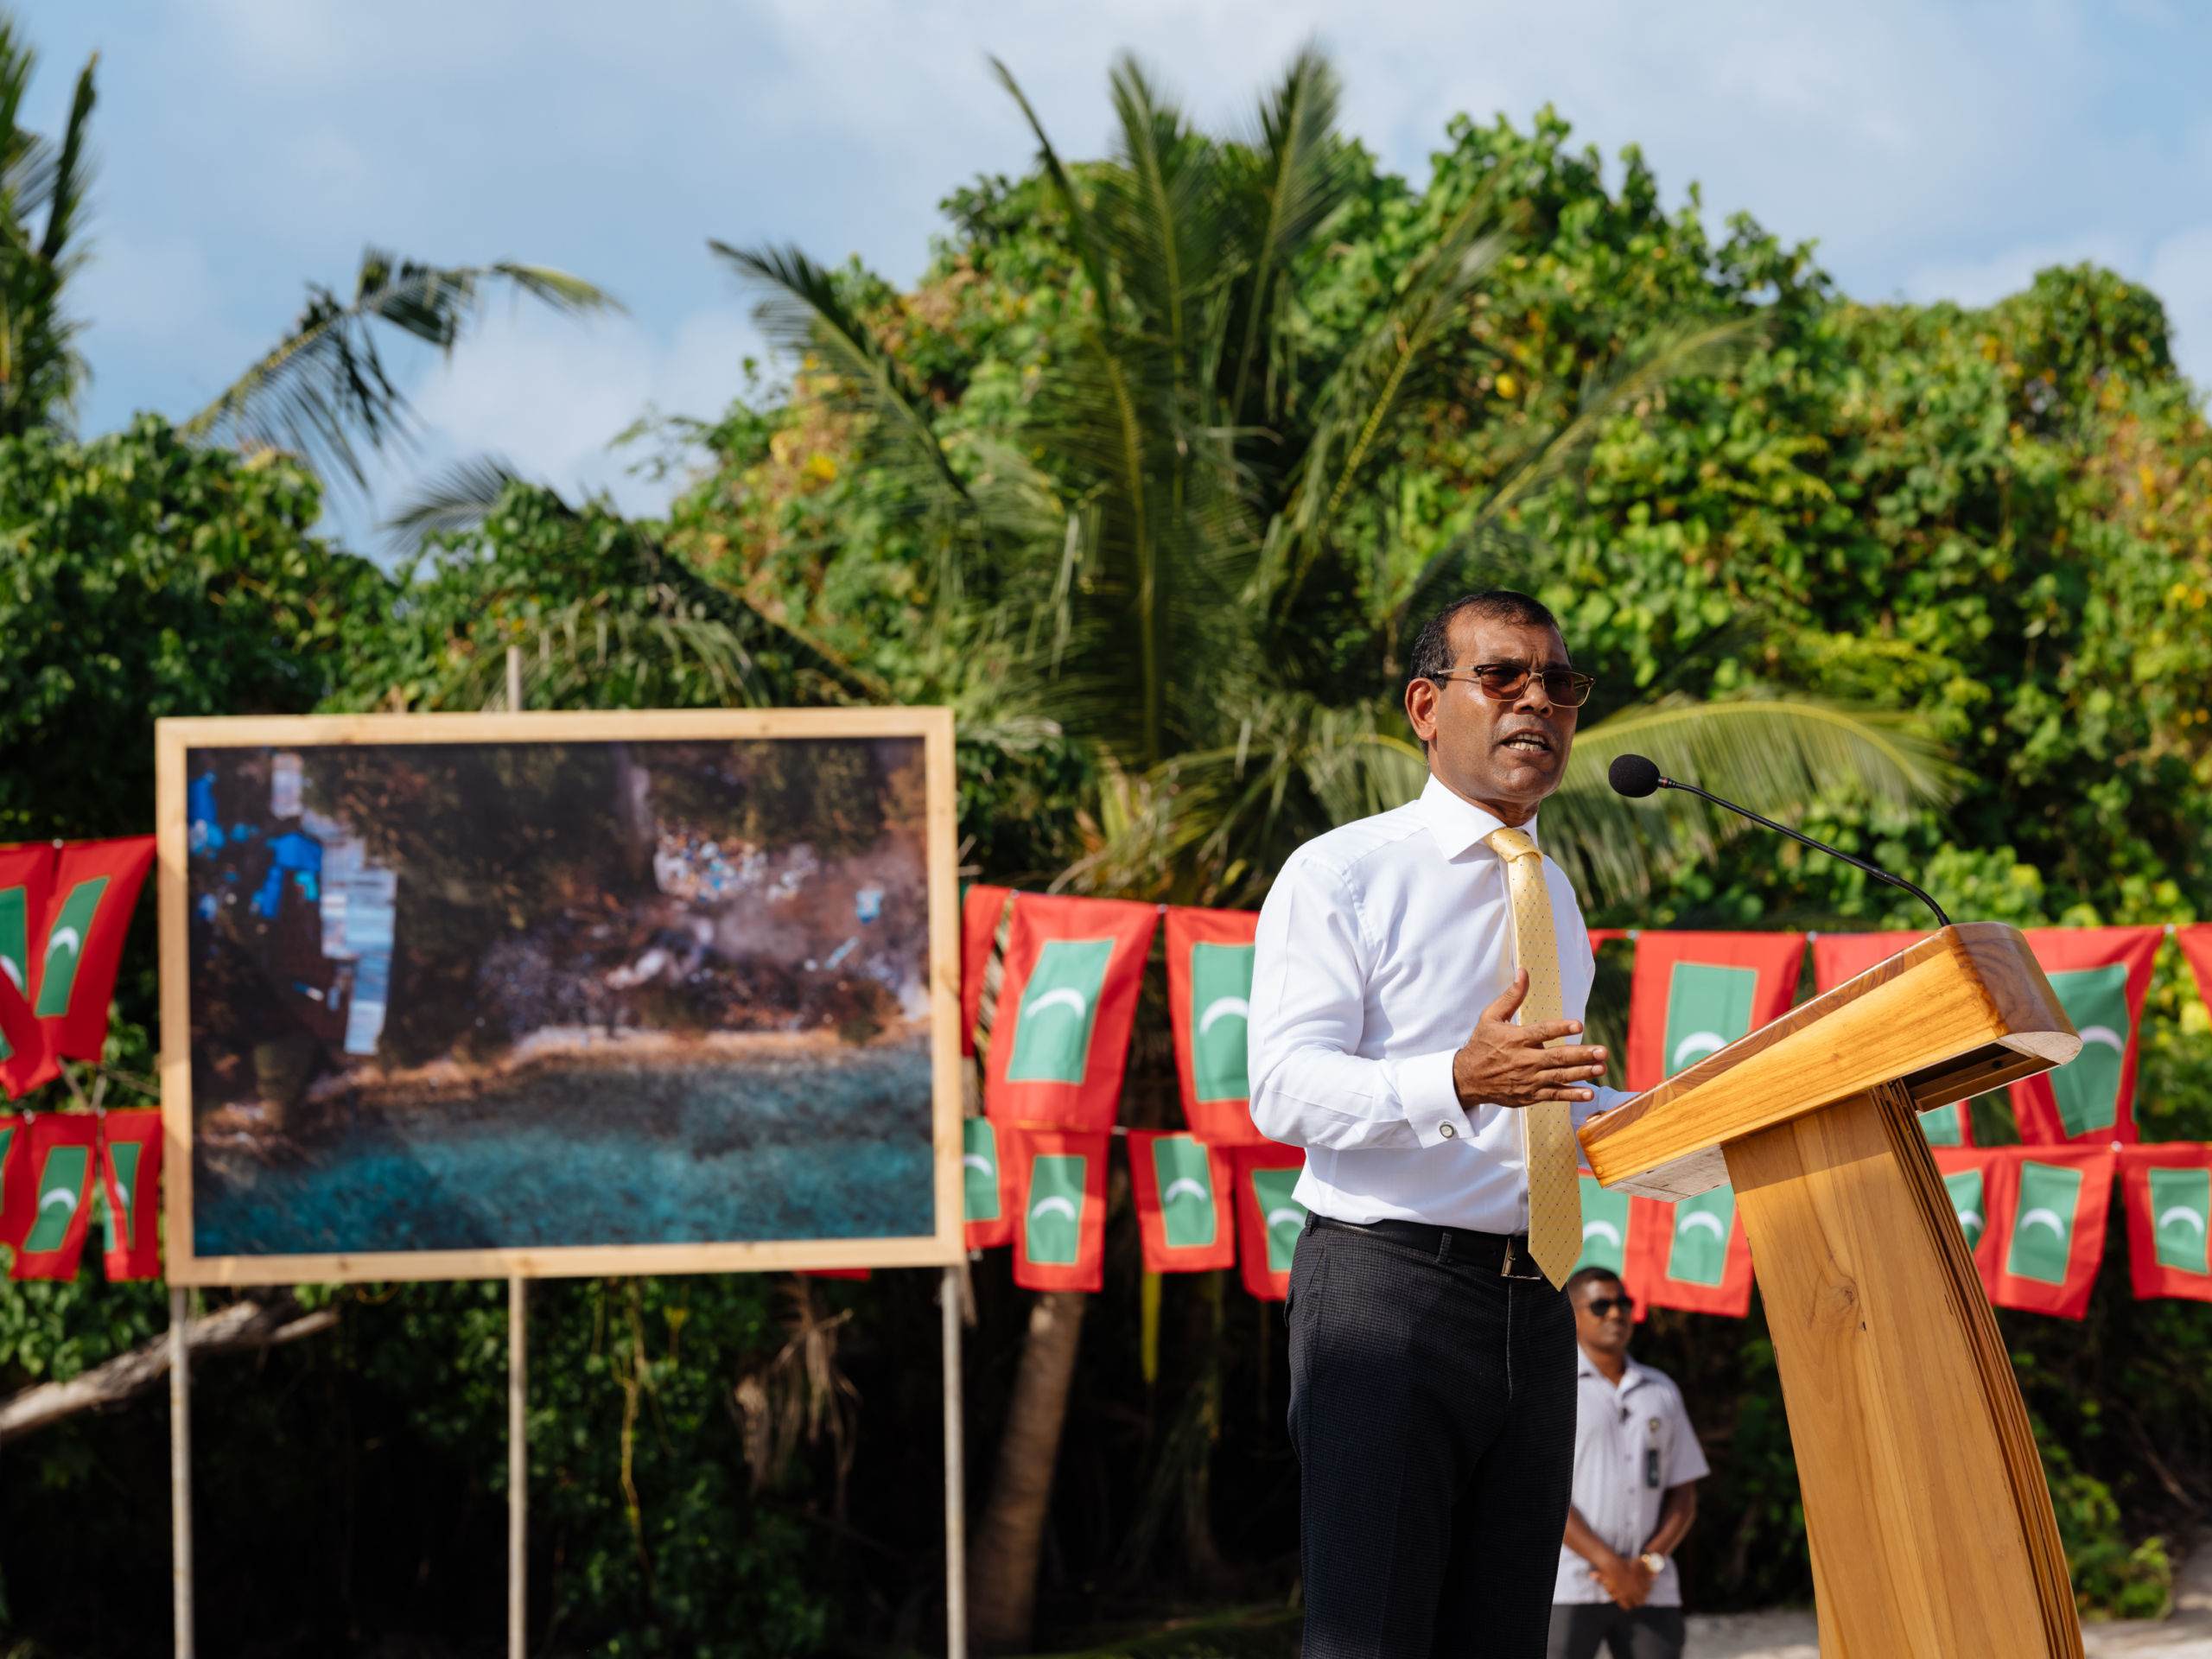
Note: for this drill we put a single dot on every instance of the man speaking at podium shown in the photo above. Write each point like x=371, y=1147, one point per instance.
x=1410, y=970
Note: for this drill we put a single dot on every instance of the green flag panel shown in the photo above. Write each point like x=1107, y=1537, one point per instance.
x=2087, y=1088
x=15, y=937
x=1221, y=991
x=1707, y=1008
x=979, y=1169
x=65, y=946
x=125, y=1154
x=1186, y=1196
x=1283, y=1216
x=2043, y=1223
x=1605, y=1228
x=59, y=1185
x=1054, y=1225
x=2181, y=1210
x=1965, y=1188
x=1944, y=1126
x=1698, y=1255
x=1059, y=1005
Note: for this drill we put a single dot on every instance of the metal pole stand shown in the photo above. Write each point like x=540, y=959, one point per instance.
x=517, y=1468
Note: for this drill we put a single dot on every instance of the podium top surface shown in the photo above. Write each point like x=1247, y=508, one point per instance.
x=1961, y=1011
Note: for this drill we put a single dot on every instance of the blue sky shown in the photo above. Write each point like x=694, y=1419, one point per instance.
x=250, y=146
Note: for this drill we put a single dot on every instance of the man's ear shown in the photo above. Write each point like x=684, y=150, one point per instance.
x=1421, y=709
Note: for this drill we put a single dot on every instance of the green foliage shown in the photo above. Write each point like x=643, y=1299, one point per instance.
x=2111, y=1577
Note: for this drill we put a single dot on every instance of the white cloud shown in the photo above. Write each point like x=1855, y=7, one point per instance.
x=1985, y=281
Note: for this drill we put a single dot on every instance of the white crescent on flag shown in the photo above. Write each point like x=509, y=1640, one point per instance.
x=60, y=1195
x=1224, y=1007
x=1605, y=1230
x=1285, y=1217
x=976, y=1160
x=2105, y=1035
x=1047, y=1206
x=1970, y=1221
x=1697, y=1045
x=2041, y=1218
x=16, y=974
x=2181, y=1212
x=1067, y=994
x=1704, y=1219
x=1183, y=1184
x=69, y=936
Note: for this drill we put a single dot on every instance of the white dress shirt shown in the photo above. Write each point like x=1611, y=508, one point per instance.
x=1379, y=947
x=1632, y=1441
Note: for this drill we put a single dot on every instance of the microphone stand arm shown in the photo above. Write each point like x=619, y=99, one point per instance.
x=1817, y=846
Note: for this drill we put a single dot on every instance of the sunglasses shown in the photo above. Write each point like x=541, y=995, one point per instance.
x=1505, y=682
x=1600, y=1306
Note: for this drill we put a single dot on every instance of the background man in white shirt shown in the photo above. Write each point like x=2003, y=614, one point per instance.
x=1432, y=1363
x=1637, y=1466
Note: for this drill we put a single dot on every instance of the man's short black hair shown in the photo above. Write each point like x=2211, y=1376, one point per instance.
x=1583, y=1275
x=1433, y=646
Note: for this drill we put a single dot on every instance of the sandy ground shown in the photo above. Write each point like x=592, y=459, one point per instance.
x=2185, y=1633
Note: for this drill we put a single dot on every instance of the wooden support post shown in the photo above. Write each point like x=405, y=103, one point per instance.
x=180, y=1471
x=518, y=1466
x=956, y=1477
x=514, y=679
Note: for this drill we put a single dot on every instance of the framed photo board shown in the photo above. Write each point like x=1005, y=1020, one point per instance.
x=482, y=996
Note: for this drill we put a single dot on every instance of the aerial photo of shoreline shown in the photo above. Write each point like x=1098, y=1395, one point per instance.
x=456, y=996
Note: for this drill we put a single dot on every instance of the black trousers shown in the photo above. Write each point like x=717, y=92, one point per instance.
x=1578, y=1628
x=1431, y=1406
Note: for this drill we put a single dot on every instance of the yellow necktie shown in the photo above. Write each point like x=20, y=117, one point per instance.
x=1548, y=1128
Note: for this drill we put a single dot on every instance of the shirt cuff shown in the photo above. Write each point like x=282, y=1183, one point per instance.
x=1432, y=1103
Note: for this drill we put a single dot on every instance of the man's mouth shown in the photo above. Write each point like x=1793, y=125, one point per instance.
x=1527, y=743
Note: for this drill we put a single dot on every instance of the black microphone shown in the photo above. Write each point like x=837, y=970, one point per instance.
x=1636, y=777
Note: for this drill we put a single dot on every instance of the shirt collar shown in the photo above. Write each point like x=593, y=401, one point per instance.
x=1583, y=1366
x=1457, y=823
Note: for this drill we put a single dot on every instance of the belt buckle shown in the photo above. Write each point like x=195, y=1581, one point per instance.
x=1505, y=1268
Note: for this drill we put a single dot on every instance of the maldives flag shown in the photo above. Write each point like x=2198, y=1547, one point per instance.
x=2047, y=1206
x=80, y=945
x=1070, y=994
x=981, y=908
x=1966, y=1177
x=130, y=1180
x=1209, y=1004
x=1609, y=1239
x=1694, y=1254
x=988, y=1215
x=1692, y=995
x=1058, y=1181
x=1840, y=957
x=26, y=880
x=49, y=1206
x=2102, y=975
x=1268, y=1217
x=1185, y=1193
x=2167, y=1189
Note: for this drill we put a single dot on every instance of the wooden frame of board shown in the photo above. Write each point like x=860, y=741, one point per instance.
x=174, y=738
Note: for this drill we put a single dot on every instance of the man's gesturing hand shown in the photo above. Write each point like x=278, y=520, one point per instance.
x=1506, y=1064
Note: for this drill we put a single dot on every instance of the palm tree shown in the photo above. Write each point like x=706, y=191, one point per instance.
x=1184, y=510
x=40, y=372
x=324, y=384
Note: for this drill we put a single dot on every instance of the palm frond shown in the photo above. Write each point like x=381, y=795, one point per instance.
x=1776, y=756
x=325, y=384
x=459, y=499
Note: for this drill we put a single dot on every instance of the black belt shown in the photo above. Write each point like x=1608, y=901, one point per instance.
x=1503, y=1254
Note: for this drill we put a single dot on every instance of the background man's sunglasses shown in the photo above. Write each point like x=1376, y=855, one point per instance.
x=1600, y=1306
x=1503, y=682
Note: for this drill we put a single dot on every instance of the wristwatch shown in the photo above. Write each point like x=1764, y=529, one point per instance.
x=1654, y=1562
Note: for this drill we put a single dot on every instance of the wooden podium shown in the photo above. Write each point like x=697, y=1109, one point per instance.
x=1925, y=1504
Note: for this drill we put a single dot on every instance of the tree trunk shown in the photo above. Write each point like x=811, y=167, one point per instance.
x=248, y=1324
x=1002, y=1559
